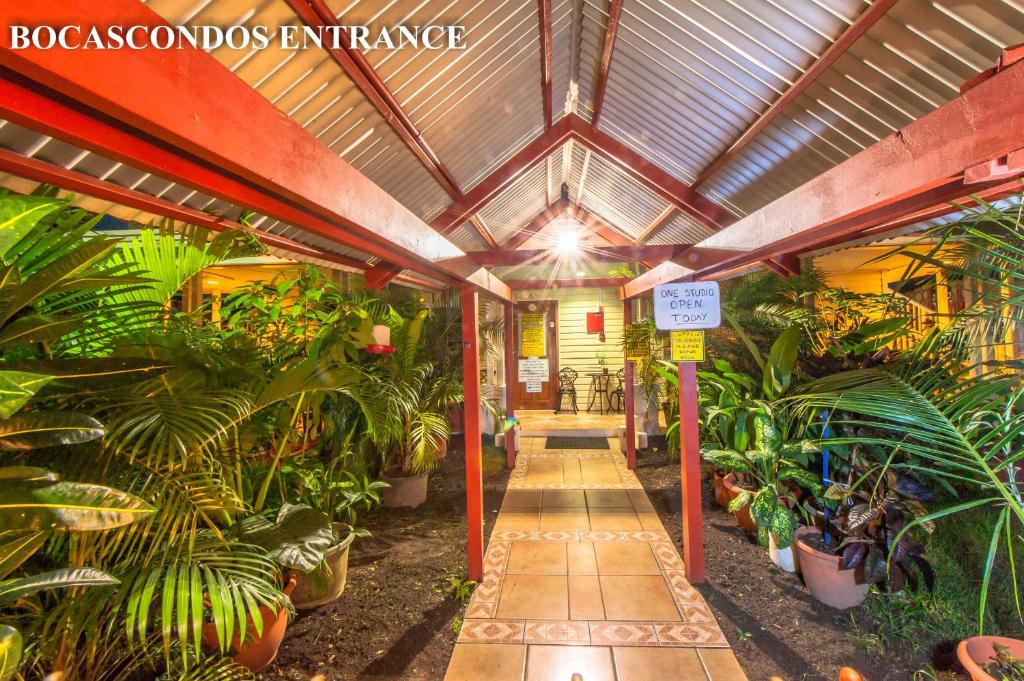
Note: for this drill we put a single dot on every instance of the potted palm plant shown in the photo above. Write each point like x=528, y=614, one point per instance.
x=417, y=431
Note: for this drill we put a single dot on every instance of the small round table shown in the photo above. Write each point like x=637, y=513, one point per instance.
x=599, y=385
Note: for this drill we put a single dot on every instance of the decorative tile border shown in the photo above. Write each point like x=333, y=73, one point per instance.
x=690, y=635
x=557, y=632
x=582, y=535
x=496, y=557
x=668, y=557
x=623, y=634
x=492, y=631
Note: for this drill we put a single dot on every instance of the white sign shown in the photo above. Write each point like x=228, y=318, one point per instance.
x=533, y=386
x=687, y=307
x=533, y=370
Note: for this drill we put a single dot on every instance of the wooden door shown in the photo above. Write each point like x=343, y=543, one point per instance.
x=540, y=321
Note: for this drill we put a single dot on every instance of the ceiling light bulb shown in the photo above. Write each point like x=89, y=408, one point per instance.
x=581, y=274
x=567, y=242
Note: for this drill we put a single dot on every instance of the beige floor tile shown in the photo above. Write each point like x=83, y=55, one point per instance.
x=564, y=519
x=564, y=498
x=650, y=521
x=503, y=662
x=572, y=472
x=658, y=664
x=559, y=663
x=614, y=519
x=517, y=520
x=538, y=597
x=546, y=477
x=591, y=476
x=637, y=598
x=537, y=558
x=722, y=665
x=641, y=502
x=625, y=558
x=585, y=598
x=608, y=498
x=521, y=499
x=581, y=558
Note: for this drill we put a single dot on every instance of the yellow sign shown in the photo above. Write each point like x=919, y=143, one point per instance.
x=687, y=346
x=637, y=344
x=532, y=334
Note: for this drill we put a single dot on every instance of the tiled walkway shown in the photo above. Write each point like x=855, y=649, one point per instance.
x=582, y=583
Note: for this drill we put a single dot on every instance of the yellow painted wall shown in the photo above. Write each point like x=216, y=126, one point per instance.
x=577, y=348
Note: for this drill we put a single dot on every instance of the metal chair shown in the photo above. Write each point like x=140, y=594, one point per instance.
x=618, y=397
x=567, y=388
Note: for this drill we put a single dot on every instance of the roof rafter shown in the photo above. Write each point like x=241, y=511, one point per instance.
x=655, y=224
x=914, y=169
x=875, y=11
x=592, y=253
x=544, y=14
x=611, y=31
x=316, y=14
x=71, y=180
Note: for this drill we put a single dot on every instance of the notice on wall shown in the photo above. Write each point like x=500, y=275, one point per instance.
x=533, y=386
x=688, y=306
x=687, y=346
x=532, y=334
x=533, y=370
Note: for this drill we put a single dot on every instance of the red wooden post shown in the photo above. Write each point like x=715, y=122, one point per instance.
x=474, y=450
x=510, y=383
x=689, y=464
x=630, y=407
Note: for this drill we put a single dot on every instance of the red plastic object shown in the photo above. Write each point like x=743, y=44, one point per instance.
x=595, y=322
x=375, y=349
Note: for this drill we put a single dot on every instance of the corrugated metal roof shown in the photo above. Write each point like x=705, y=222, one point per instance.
x=679, y=228
x=911, y=62
x=520, y=203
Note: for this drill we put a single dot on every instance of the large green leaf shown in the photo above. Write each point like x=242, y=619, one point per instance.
x=37, y=429
x=17, y=547
x=297, y=539
x=13, y=589
x=94, y=372
x=19, y=214
x=10, y=652
x=38, y=328
x=778, y=370
x=67, y=505
x=17, y=387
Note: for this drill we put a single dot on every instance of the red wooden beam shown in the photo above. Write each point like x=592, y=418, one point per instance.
x=544, y=13
x=380, y=275
x=473, y=445
x=481, y=229
x=47, y=173
x=236, y=146
x=612, y=29
x=837, y=49
x=492, y=185
x=316, y=14
x=912, y=170
x=511, y=352
x=532, y=284
x=605, y=231
x=689, y=465
x=595, y=254
x=655, y=224
x=651, y=176
x=630, y=401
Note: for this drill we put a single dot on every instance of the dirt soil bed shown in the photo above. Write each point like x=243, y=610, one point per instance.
x=395, y=619
x=773, y=624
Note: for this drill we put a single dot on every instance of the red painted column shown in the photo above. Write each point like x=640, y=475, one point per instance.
x=474, y=449
x=510, y=383
x=630, y=407
x=689, y=464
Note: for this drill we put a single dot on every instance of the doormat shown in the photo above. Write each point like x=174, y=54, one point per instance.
x=568, y=442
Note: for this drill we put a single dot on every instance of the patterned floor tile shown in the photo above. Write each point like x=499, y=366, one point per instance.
x=546, y=632
x=623, y=634
x=667, y=556
x=686, y=634
x=481, y=610
x=488, y=589
x=491, y=631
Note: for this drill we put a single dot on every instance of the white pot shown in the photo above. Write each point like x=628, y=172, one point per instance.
x=784, y=558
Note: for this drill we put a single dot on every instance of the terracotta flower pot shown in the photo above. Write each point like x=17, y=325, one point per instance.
x=977, y=650
x=405, y=492
x=721, y=494
x=256, y=654
x=825, y=580
x=327, y=582
x=742, y=516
